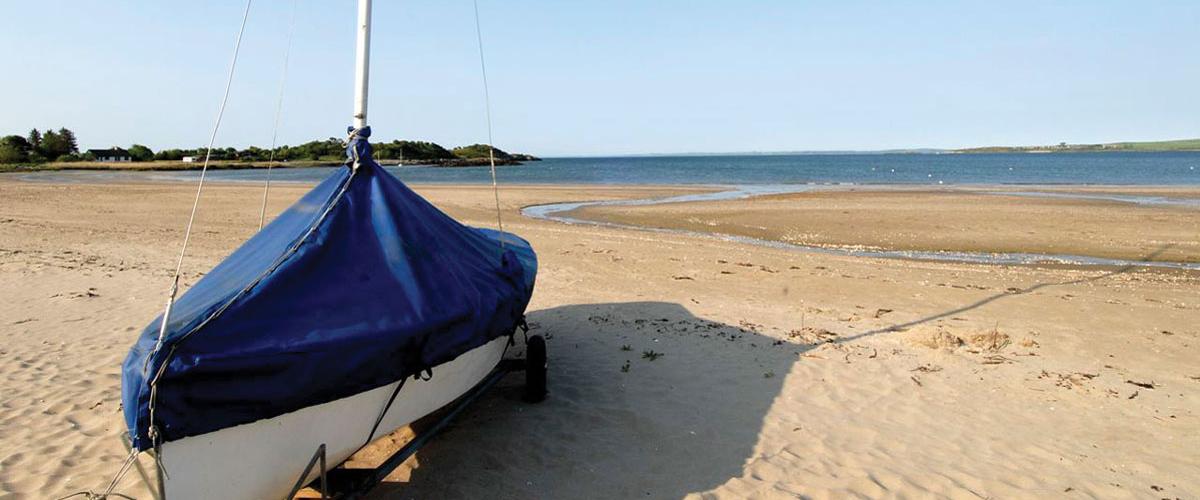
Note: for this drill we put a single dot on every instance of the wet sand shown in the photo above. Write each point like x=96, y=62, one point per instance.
x=782, y=373
x=954, y=220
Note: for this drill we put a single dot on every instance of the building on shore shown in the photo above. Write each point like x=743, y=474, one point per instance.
x=112, y=155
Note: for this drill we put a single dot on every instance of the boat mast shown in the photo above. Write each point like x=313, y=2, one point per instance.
x=362, y=66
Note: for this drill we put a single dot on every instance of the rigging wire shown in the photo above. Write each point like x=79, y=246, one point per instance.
x=162, y=329
x=237, y=46
x=108, y=491
x=287, y=52
x=487, y=104
x=174, y=287
x=153, y=432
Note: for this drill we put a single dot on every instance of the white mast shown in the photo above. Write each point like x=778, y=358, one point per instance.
x=362, y=66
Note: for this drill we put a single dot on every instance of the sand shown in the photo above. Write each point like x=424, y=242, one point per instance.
x=782, y=373
x=952, y=220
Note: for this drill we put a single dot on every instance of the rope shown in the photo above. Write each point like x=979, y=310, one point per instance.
x=121, y=473
x=187, y=235
x=354, y=156
x=262, y=216
x=112, y=485
x=91, y=495
x=487, y=103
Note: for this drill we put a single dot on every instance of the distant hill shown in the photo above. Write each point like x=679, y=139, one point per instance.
x=475, y=155
x=428, y=153
x=411, y=150
x=475, y=151
x=1062, y=147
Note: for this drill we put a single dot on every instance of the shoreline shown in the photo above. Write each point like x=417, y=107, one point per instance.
x=851, y=170
x=584, y=213
x=519, y=159
x=70, y=176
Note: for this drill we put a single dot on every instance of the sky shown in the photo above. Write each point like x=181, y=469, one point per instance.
x=612, y=77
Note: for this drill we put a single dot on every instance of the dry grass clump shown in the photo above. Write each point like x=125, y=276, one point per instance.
x=810, y=335
x=933, y=338
x=939, y=338
x=992, y=341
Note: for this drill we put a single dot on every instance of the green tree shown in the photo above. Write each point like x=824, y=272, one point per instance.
x=10, y=155
x=138, y=152
x=35, y=138
x=328, y=149
x=254, y=153
x=55, y=144
x=49, y=138
x=68, y=138
x=170, y=154
x=411, y=150
x=14, y=149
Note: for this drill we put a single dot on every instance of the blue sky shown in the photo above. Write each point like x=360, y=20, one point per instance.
x=615, y=76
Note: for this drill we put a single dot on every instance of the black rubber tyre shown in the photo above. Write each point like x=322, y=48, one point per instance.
x=535, y=369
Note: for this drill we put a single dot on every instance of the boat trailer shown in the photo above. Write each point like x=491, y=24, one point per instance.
x=340, y=483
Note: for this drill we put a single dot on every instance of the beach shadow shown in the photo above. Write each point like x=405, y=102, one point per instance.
x=1011, y=292
x=682, y=423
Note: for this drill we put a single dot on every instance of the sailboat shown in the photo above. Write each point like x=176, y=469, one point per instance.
x=357, y=311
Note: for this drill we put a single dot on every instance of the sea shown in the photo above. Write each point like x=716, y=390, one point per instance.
x=1103, y=168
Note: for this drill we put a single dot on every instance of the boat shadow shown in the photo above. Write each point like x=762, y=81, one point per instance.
x=1009, y=293
x=616, y=423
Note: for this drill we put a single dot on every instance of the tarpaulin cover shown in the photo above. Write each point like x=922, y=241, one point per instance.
x=320, y=306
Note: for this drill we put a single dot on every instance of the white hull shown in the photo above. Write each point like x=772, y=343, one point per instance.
x=263, y=459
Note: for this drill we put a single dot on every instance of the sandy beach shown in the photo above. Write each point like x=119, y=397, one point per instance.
x=782, y=374
x=960, y=220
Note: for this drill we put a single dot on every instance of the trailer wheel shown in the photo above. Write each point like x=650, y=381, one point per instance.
x=535, y=369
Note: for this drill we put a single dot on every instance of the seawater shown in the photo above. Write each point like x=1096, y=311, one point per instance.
x=1175, y=168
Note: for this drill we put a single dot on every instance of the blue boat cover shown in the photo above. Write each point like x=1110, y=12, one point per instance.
x=359, y=284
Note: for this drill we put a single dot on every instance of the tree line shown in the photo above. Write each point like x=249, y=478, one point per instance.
x=40, y=147
x=331, y=149
x=61, y=146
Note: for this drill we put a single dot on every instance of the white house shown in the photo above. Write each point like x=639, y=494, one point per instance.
x=113, y=155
